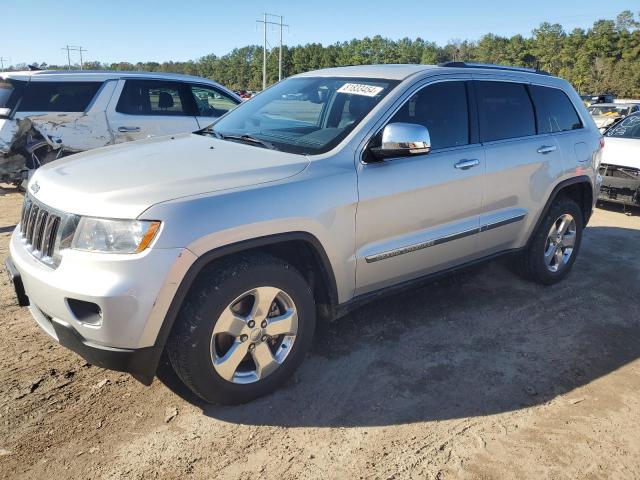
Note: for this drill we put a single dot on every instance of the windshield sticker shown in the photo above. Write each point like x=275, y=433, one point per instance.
x=360, y=89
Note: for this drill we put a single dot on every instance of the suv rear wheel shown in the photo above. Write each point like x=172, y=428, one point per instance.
x=554, y=245
x=244, y=328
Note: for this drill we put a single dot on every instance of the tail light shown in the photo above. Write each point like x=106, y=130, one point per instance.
x=601, y=143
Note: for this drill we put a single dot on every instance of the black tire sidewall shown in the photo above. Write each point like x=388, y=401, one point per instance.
x=560, y=207
x=210, y=297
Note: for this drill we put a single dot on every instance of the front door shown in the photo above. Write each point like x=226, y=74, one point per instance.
x=420, y=214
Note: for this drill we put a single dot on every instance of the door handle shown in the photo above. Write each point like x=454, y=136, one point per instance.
x=128, y=129
x=547, y=149
x=466, y=164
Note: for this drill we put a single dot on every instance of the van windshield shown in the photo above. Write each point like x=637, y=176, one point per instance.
x=308, y=115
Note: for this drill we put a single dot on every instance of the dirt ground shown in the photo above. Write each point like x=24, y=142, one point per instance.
x=481, y=375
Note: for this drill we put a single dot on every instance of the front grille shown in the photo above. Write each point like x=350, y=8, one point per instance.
x=39, y=227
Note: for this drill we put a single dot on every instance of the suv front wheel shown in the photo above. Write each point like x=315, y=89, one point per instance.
x=555, y=244
x=244, y=328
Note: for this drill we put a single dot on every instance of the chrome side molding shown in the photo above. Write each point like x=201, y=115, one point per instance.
x=438, y=241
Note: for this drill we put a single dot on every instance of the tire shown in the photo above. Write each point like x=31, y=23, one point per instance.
x=533, y=264
x=214, y=327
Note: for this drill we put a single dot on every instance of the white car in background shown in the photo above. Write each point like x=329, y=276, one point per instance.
x=606, y=114
x=620, y=167
x=45, y=115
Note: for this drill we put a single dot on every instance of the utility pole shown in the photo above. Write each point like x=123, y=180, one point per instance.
x=74, y=48
x=266, y=22
x=2, y=60
x=280, y=56
x=79, y=49
x=68, y=56
x=264, y=55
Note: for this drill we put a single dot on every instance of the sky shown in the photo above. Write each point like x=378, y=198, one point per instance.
x=159, y=30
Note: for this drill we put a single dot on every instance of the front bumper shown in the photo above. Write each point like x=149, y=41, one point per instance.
x=131, y=294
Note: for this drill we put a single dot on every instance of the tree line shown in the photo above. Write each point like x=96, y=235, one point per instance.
x=602, y=59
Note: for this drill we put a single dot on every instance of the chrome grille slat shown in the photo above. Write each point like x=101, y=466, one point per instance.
x=31, y=224
x=51, y=238
x=26, y=209
x=39, y=227
x=43, y=215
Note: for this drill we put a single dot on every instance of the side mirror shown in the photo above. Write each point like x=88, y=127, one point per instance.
x=403, y=140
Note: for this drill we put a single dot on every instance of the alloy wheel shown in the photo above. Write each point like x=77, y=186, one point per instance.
x=560, y=243
x=254, y=335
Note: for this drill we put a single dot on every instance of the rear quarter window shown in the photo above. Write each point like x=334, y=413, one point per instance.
x=505, y=110
x=58, y=96
x=554, y=110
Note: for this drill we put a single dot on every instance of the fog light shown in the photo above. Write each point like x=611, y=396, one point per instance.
x=85, y=312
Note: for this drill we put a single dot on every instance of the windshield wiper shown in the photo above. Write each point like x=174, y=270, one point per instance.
x=239, y=138
x=247, y=139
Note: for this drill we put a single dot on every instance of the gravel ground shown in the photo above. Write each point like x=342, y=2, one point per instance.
x=481, y=375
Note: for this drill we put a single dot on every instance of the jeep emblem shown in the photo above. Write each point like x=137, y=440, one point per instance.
x=35, y=187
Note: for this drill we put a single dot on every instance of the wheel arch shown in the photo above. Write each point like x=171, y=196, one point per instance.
x=579, y=189
x=302, y=249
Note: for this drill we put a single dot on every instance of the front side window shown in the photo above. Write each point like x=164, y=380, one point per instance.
x=155, y=97
x=58, y=96
x=627, y=128
x=305, y=115
x=442, y=108
x=211, y=102
x=505, y=111
x=554, y=110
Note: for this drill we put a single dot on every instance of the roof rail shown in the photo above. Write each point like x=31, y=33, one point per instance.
x=492, y=67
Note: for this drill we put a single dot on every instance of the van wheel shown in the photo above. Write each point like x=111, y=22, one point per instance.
x=555, y=244
x=243, y=329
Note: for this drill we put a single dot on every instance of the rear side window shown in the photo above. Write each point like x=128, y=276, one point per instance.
x=10, y=91
x=155, y=97
x=442, y=108
x=554, y=110
x=505, y=111
x=58, y=96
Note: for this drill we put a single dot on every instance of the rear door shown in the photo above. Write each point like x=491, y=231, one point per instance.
x=521, y=164
x=149, y=108
x=211, y=103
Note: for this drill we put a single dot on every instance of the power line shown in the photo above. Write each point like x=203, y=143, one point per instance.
x=73, y=48
x=266, y=22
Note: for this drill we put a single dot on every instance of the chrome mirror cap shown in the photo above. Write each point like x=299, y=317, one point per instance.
x=403, y=140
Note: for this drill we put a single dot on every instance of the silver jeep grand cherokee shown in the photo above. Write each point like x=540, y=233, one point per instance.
x=221, y=248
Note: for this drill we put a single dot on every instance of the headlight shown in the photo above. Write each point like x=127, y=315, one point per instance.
x=113, y=236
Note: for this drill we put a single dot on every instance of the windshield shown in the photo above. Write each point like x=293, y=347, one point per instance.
x=607, y=110
x=626, y=128
x=308, y=115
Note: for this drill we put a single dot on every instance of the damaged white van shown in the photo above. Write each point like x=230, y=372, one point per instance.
x=45, y=115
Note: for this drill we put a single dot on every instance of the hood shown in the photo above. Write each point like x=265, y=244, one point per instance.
x=623, y=152
x=122, y=181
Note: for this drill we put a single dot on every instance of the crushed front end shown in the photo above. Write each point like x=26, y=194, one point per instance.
x=620, y=184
